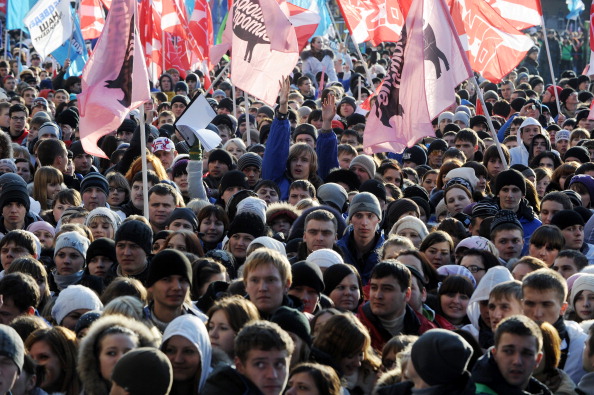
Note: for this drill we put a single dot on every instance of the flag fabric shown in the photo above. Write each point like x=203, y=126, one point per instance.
x=15, y=13
x=376, y=21
x=50, y=25
x=521, y=14
x=575, y=8
x=317, y=7
x=263, y=44
x=493, y=46
x=115, y=80
x=201, y=28
x=92, y=18
x=305, y=23
x=428, y=50
x=74, y=49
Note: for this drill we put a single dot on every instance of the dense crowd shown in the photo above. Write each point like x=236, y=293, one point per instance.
x=287, y=260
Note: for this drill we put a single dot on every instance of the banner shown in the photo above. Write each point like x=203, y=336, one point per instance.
x=74, y=49
x=376, y=21
x=521, y=14
x=50, y=25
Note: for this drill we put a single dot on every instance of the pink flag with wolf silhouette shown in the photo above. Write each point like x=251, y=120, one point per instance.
x=427, y=65
x=263, y=46
x=114, y=80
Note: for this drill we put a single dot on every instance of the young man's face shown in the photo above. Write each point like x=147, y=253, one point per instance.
x=265, y=287
x=528, y=132
x=319, y=234
x=510, y=197
x=387, y=300
x=170, y=291
x=517, y=357
x=500, y=308
x=467, y=148
x=344, y=160
x=509, y=243
x=364, y=224
x=268, y=370
x=541, y=306
x=565, y=266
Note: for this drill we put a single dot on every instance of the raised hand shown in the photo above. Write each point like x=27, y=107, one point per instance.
x=328, y=111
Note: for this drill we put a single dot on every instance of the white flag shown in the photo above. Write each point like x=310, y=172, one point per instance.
x=50, y=25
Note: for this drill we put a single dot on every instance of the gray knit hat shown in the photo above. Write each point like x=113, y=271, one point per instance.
x=366, y=162
x=11, y=346
x=333, y=193
x=249, y=159
x=365, y=201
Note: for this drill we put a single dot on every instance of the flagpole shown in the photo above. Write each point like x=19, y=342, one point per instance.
x=333, y=23
x=546, y=41
x=211, y=87
x=143, y=159
x=234, y=94
x=247, y=119
x=5, y=43
x=20, y=49
x=163, y=46
x=489, y=122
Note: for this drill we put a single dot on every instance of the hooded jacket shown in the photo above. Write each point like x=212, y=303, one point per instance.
x=312, y=65
x=520, y=153
x=193, y=329
x=229, y=381
x=367, y=262
x=88, y=367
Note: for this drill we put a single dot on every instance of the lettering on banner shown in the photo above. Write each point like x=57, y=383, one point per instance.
x=248, y=25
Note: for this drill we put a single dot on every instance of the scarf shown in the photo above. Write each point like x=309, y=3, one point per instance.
x=64, y=281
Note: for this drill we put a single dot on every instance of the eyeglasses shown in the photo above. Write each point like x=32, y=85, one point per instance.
x=474, y=269
x=118, y=190
x=17, y=118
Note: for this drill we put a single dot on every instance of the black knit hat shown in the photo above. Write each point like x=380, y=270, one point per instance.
x=128, y=125
x=308, y=274
x=510, y=177
x=415, y=190
x=77, y=148
x=415, y=154
x=346, y=100
x=344, y=176
x=233, y=178
x=227, y=104
x=423, y=204
x=137, y=232
x=249, y=223
x=102, y=247
x=505, y=217
x=294, y=321
x=478, y=120
x=396, y=209
x=249, y=159
x=68, y=117
x=374, y=187
x=566, y=218
x=579, y=152
x=484, y=209
x=94, y=179
x=222, y=156
x=184, y=213
x=144, y=370
x=180, y=99
x=14, y=192
x=305, y=128
x=437, y=145
x=167, y=263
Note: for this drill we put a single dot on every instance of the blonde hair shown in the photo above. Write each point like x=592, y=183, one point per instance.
x=136, y=167
x=266, y=256
x=43, y=177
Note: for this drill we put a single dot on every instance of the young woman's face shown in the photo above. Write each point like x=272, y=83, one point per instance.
x=301, y=384
x=111, y=349
x=44, y=356
x=212, y=229
x=454, y=306
x=438, y=254
x=221, y=333
x=412, y=235
x=45, y=238
x=349, y=365
x=52, y=190
x=178, y=242
x=59, y=209
x=116, y=196
x=99, y=266
x=541, y=186
x=494, y=167
x=101, y=228
x=456, y=200
x=346, y=294
x=184, y=358
x=584, y=305
x=69, y=261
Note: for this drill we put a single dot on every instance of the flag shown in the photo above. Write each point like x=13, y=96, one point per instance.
x=575, y=8
x=74, y=49
x=92, y=18
x=15, y=13
x=493, y=46
x=264, y=47
x=521, y=14
x=305, y=23
x=376, y=21
x=317, y=7
x=50, y=25
x=201, y=26
x=115, y=80
x=428, y=50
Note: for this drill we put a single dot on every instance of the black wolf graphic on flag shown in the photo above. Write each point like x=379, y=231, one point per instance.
x=124, y=78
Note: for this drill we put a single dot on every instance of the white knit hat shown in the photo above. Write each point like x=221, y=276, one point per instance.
x=270, y=243
x=584, y=283
x=73, y=298
x=253, y=205
x=72, y=240
x=325, y=258
x=104, y=212
x=410, y=222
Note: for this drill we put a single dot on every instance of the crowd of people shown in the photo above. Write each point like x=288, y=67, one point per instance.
x=287, y=261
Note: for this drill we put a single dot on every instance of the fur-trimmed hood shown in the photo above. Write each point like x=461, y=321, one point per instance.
x=5, y=145
x=88, y=361
x=309, y=53
x=281, y=208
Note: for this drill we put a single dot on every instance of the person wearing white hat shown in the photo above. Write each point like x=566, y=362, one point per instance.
x=528, y=129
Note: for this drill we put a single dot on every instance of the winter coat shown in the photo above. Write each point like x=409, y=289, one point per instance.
x=586, y=385
x=312, y=65
x=194, y=330
x=463, y=386
x=229, y=381
x=558, y=382
x=88, y=359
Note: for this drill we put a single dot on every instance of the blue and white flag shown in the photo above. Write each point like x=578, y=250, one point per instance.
x=78, y=51
x=575, y=7
x=50, y=25
x=15, y=13
x=318, y=7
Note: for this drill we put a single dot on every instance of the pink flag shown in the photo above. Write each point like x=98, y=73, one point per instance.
x=428, y=51
x=264, y=47
x=114, y=80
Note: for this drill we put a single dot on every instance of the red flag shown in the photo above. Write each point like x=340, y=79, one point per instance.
x=305, y=23
x=92, y=18
x=201, y=26
x=114, y=80
x=373, y=20
x=429, y=51
x=264, y=47
x=521, y=14
x=493, y=46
